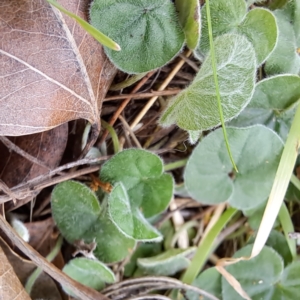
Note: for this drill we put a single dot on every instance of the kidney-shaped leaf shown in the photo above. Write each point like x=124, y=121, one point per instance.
x=167, y=263
x=141, y=173
x=258, y=25
x=258, y=276
x=91, y=273
x=47, y=77
x=77, y=213
x=129, y=219
x=272, y=104
x=147, y=31
x=196, y=108
x=209, y=177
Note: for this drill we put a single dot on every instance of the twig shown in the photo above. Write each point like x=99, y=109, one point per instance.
x=81, y=291
x=8, y=191
x=162, y=87
x=127, y=127
x=144, y=95
x=124, y=104
x=13, y=147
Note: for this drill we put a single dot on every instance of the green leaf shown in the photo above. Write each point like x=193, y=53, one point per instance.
x=75, y=208
x=147, y=31
x=272, y=104
x=167, y=263
x=99, y=36
x=257, y=276
x=225, y=15
x=288, y=287
x=284, y=58
x=194, y=136
x=190, y=19
x=91, y=273
x=258, y=25
x=129, y=219
x=196, y=107
x=141, y=173
x=209, y=177
x=210, y=281
x=77, y=213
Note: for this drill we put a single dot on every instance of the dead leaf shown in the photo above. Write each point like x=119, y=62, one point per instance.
x=48, y=147
x=10, y=286
x=52, y=70
x=44, y=287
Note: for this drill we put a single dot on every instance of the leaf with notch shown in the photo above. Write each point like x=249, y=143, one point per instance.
x=147, y=31
x=141, y=173
x=196, y=107
x=209, y=177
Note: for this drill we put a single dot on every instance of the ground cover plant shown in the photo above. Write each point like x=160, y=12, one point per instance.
x=214, y=219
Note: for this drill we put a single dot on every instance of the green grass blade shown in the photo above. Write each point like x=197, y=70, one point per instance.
x=206, y=247
x=213, y=61
x=99, y=36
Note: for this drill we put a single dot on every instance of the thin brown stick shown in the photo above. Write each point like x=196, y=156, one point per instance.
x=29, y=190
x=13, y=147
x=80, y=290
x=144, y=95
x=127, y=127
x=8, y=191
x=124, y=104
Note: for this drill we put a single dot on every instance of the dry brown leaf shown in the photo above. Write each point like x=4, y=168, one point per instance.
x=48, y=147
x=52, y=71
x=44, y=287
x=10, y=286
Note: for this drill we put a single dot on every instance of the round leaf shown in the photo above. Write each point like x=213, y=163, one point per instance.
x=196, y=108
x=77, y=213
x=167, y=263
x=272, y=104
x=141, y=173
x=259, y=26
x=75, y=208
x=257, y=276
x=225, y=15
x=209, y=177
x=129, y=219
x=147, y=31
x=91, y=273
x=190, y=18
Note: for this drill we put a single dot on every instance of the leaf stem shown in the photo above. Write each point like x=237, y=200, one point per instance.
x=214, y=67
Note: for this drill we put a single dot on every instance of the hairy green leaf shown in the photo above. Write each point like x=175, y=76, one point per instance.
x=167, y=263
x=148, y=32
x=196, y=107
x=272, y=104
x=209, y=177
x=129, y=219
x=91, y=273
x=141, y=173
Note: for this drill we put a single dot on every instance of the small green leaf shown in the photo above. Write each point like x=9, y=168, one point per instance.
x=148, y=32
x=258, y=25
x=210, y=281
x=190, y=19
x=258, y=276
x=272, y=104
x=77, y=213
x=284, y=58
x=91, y=273
x=99, y=36
x=141, y=173
x=196, y=108
x=209, y=177
x=129, y=219
x=167, y=263
x=225, y=15
x=75, y=208
x=194, y=136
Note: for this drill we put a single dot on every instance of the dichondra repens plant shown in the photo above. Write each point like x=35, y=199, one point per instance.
x=249, y=41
